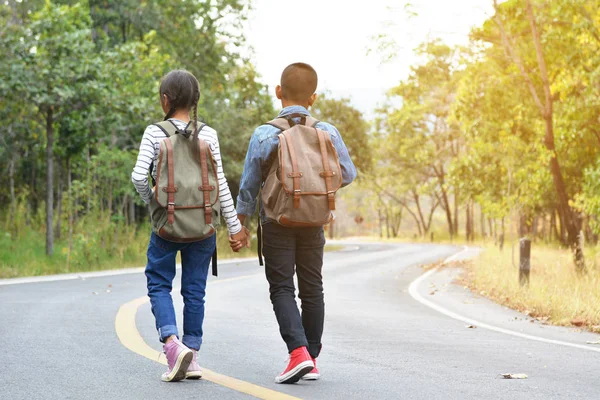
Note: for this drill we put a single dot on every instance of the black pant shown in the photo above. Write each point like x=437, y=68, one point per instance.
x=286, y=248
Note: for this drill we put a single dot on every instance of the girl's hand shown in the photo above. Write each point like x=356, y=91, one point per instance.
x=240, y=240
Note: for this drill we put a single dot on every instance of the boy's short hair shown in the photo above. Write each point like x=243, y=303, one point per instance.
x=298, y=82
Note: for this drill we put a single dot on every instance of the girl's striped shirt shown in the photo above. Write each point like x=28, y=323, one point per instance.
x=149, y=151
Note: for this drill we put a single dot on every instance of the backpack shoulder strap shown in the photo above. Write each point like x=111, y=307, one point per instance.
x=201, y=126
x=312, y=122
x=280, y=123
x=284, y=124
x=327, y=172
x=168, y=127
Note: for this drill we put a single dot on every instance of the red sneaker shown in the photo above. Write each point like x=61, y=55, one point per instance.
x=300, y=364
x=314, y=374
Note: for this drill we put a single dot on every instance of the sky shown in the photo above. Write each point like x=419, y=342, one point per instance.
x=335, y=36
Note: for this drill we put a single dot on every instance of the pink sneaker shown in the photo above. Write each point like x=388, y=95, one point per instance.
x=178, y=358
x=193, y=371
x=300, y=363
x=314, y=374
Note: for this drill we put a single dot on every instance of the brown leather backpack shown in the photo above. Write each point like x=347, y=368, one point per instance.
x=301, y=184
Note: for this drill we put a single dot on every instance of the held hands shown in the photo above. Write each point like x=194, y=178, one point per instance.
x=240, y=240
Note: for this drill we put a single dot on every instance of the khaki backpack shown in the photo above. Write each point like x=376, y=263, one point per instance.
x=300, y=187
x=185, y=206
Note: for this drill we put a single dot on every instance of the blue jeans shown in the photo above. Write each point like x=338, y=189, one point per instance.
x=160, y=272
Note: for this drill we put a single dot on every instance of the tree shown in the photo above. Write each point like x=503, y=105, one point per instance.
x=420, y=141
x=58, y=73
x=352, y=126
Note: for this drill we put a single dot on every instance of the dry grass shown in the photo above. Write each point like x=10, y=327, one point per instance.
x=556, y=293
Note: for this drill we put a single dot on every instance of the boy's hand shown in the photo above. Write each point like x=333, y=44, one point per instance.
x=240, y=240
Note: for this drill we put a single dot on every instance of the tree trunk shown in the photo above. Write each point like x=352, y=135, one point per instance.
x=468, y=222
x=49, y=182
x=11, y=184
x=553, y=233
x=544, y=223
x=380, y=222
x=441, y=175
x=456, y=212
x=59, y=200
x=416, y=218
x=387, y=222
x=563, y=232
x=396, y=222
x=501, y=238
x=482, y=223
x=32, y=203
x=572, y=222
x=420, y=214
x=88, y=180
x=70, y=211
x=110, y=201
x=446, y=207
x=473, y=223
x=132, y=212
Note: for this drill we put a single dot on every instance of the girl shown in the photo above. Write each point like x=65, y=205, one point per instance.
x=179, y=94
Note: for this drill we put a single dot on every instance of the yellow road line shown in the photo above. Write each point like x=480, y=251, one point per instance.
x=130, y=338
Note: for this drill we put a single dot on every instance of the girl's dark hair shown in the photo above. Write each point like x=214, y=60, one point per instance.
x=183, y=93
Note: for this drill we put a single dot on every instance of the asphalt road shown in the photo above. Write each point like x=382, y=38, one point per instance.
x=60, y=340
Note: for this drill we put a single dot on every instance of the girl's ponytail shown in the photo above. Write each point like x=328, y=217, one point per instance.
x=195, y=119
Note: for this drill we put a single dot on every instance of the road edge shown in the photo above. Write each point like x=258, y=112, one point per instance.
x=413, y=290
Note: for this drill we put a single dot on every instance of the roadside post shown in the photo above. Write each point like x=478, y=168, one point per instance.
x=524, y=261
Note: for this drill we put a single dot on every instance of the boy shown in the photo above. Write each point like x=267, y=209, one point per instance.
x=283, y=247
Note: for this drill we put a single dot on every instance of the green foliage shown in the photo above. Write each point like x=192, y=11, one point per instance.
x=352, y=126
x=86, y=75
x=472, y=120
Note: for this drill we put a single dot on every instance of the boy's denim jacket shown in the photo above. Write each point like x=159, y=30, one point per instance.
x=263, y=145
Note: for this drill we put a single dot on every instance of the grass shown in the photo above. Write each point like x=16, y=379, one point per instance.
x=556, y=293
x=105, y=246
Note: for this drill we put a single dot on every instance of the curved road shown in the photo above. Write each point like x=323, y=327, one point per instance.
x=94, y=338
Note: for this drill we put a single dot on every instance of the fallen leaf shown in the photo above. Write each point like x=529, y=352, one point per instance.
x=471, y=326
x=577, y=322
x=514, y=376
x=433, y=292
x=109, y=285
